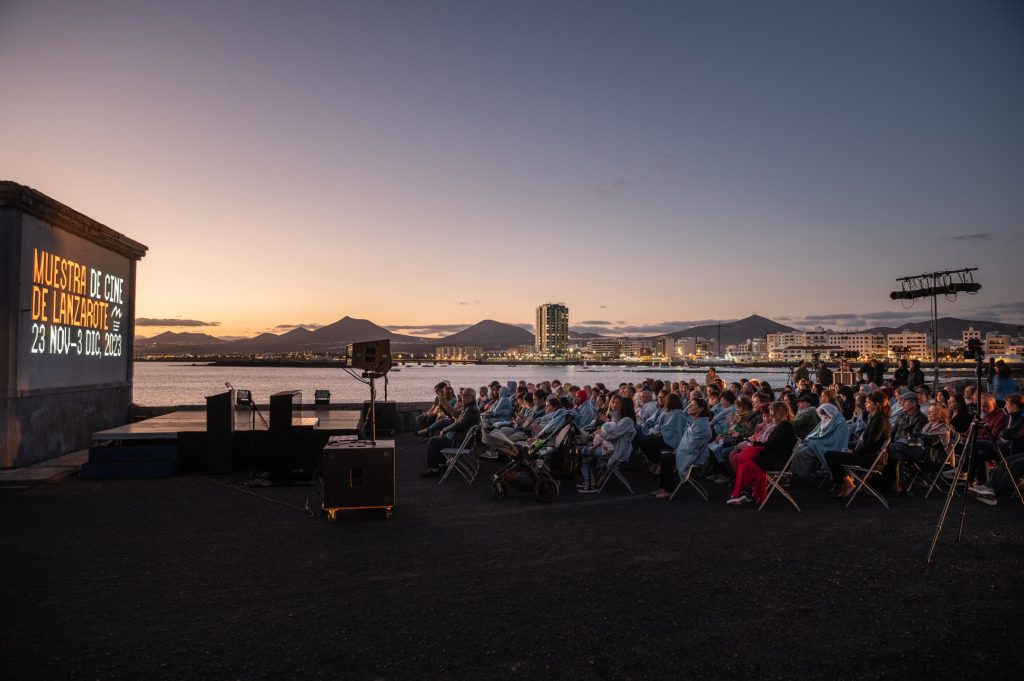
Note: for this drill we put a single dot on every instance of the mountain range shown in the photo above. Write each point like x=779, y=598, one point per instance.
x=487, y=333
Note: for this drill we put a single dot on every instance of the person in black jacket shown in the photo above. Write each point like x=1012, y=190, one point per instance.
x=772, y=455
x=824, y=374
x=877, y=432
x=901, y=375
x=916, y=376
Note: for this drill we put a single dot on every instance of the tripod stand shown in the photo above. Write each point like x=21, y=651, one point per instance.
x=967, y=457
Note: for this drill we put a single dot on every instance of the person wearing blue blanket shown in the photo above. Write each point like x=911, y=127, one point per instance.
x=692, y=448
x=831, y=434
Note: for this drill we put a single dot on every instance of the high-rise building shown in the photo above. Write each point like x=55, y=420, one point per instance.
x=552, y=329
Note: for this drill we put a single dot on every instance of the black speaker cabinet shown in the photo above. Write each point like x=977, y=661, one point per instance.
x=359, y=475
x=220, y=430
x=282, y=405
x=387, y=420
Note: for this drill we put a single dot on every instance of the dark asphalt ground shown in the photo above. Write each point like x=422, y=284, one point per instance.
x=184, y=578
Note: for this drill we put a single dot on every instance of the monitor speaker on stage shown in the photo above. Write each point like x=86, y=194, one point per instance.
x=370, y=356
x=220, y=430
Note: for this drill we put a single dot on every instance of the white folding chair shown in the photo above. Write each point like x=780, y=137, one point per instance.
x=862, y=473
x=461, y=459
x=775, y=481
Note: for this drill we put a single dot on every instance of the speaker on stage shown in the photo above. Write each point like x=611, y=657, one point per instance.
x=370, y=356
x=220, y=430
x=282, y=458
x=358, y=475
x=387, y=419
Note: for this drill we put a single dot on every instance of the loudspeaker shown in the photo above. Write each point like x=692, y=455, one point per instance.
x=370, y=356
x=387, y=419
x=282, y=405
x=220, y=430
x=359, y=475
x=282, y=458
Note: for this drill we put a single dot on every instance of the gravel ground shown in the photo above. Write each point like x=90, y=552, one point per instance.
x=186, y=578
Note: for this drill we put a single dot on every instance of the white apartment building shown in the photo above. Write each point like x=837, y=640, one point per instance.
x=665, y=346
x=996, y=344
x=636, y=347
x=459, y=352
x=863, y=343
x=605, y=348
x=908, y=344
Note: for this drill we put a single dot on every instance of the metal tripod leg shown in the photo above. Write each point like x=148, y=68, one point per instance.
x=965, y=455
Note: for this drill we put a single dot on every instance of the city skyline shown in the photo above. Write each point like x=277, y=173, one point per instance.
x=425, y=165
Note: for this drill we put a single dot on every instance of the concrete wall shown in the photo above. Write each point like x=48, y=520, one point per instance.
x=52, y=402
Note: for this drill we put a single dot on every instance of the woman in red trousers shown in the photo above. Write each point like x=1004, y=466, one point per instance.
x=768, y=455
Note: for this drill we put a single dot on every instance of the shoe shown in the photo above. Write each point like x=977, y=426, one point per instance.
x=490, y=455
x=431, y=473
x=588, y=490
x=948, y=475
x=738, y=501
x=987, y=500
x=662, y=495
x=583, y=485
x=724, y=480
x=982, y=490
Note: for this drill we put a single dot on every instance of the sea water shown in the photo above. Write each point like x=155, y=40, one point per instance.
x=160, y=384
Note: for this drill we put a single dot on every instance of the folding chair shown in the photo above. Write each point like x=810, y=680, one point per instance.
x=461, y=459
x=775, y=481
x=954, y=440
x=924, y=478
x=861, y=475
x=613, y=470
x=687, y=477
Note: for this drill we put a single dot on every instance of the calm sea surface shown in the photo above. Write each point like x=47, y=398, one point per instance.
x=171, y=383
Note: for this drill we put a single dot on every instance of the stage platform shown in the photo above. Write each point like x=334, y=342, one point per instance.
x=169, y=426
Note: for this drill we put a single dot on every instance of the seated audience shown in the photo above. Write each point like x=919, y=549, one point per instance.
x=767, y=455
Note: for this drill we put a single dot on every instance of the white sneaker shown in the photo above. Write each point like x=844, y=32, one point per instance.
x=982, y=490
x=987, y=500
x=738, y=501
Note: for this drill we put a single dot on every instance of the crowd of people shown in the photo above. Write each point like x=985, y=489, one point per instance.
x=734, y=434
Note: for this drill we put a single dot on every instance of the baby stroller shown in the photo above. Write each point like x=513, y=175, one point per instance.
x=533, y=468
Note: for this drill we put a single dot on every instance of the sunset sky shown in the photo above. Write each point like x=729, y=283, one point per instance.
x=427, y=164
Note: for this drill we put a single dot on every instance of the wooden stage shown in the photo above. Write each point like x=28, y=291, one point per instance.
x=169, y=426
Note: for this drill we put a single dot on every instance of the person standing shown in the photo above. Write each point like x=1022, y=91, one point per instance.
x=901, y=376
x=824, y=374
x=916, y=376
x=801, y=373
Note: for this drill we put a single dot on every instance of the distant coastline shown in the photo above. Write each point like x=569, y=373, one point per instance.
x=946, y=370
